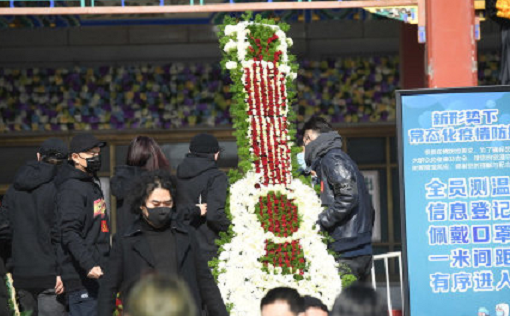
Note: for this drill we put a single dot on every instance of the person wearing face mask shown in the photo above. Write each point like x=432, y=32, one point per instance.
x=158, y=243
x=144, y=154
x=348, y=216
x=84, y=224
x=303, y=168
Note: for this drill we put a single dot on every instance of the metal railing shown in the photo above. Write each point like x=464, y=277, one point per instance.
x=385, y=257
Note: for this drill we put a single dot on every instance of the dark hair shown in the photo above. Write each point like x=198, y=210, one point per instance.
x=359, y=300
x=317, y=124
x=311, y=301
x=286, y=294
x=146, y=184
x=144, y=152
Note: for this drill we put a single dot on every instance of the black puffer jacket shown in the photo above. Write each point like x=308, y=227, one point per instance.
x=121, y=184
x=28, y=209
x=84, y=225
x=349, y=216
x=200, y=180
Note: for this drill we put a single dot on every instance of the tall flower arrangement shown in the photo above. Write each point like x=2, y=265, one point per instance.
x=274, y=240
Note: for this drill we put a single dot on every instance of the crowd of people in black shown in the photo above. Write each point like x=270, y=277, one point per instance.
x=55, y=222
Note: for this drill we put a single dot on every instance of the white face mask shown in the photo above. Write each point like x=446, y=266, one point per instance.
x=301, y=160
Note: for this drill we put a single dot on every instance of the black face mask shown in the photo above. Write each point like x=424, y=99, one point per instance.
x=93, y=164
x=159, y=216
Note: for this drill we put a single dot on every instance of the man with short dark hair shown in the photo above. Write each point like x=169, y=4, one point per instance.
x=282, y=301
x=348, y=216
x=202, y=188
x=359, y=300
x=314, y=306
x=28, y=221
x=84, y=224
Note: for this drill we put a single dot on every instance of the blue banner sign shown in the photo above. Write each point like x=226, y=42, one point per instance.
x=454, y=151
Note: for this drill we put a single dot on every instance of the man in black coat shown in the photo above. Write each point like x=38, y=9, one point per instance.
x=84, y=224
x=349, y=215
x=28, y=222
x=202, y=191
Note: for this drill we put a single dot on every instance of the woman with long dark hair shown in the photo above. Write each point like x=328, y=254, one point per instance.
x=158, y=243
x=144, y=154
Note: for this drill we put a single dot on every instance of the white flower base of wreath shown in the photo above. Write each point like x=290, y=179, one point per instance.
x=244, y=283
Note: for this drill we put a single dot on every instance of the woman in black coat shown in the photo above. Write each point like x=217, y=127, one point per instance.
x=158, y=243
x=144, y=154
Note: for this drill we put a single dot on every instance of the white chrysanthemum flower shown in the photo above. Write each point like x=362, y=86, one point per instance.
x=284, y=69
x=231, y=65
x=230, y=46
x=230, y=29
x=281, y=35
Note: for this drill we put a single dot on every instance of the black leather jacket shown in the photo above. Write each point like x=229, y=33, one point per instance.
x=349, y=215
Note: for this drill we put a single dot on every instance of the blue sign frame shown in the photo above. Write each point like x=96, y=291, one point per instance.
x=454, y=166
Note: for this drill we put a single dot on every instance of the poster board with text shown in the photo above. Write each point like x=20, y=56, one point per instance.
x=454, y=160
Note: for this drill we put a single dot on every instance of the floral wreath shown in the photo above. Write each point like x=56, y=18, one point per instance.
x=274, y=240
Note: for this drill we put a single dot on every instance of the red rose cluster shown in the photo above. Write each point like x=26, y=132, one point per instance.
x=259, y=52
x=289, y=256
x=278, y=215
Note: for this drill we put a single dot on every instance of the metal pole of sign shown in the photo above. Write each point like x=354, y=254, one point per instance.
x=386, y=257
x=374, y=284
x=401, y=281
x=388, y=285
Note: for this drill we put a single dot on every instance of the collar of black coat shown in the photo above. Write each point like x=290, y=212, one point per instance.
x=195, y=164
x=321, y=145
x=136, y=227
x=68, y=171
x=142, y=247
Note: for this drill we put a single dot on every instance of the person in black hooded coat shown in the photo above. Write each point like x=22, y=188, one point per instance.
x=144, y=154
x=84, y=224
x=202, y=194
x=28, y=222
